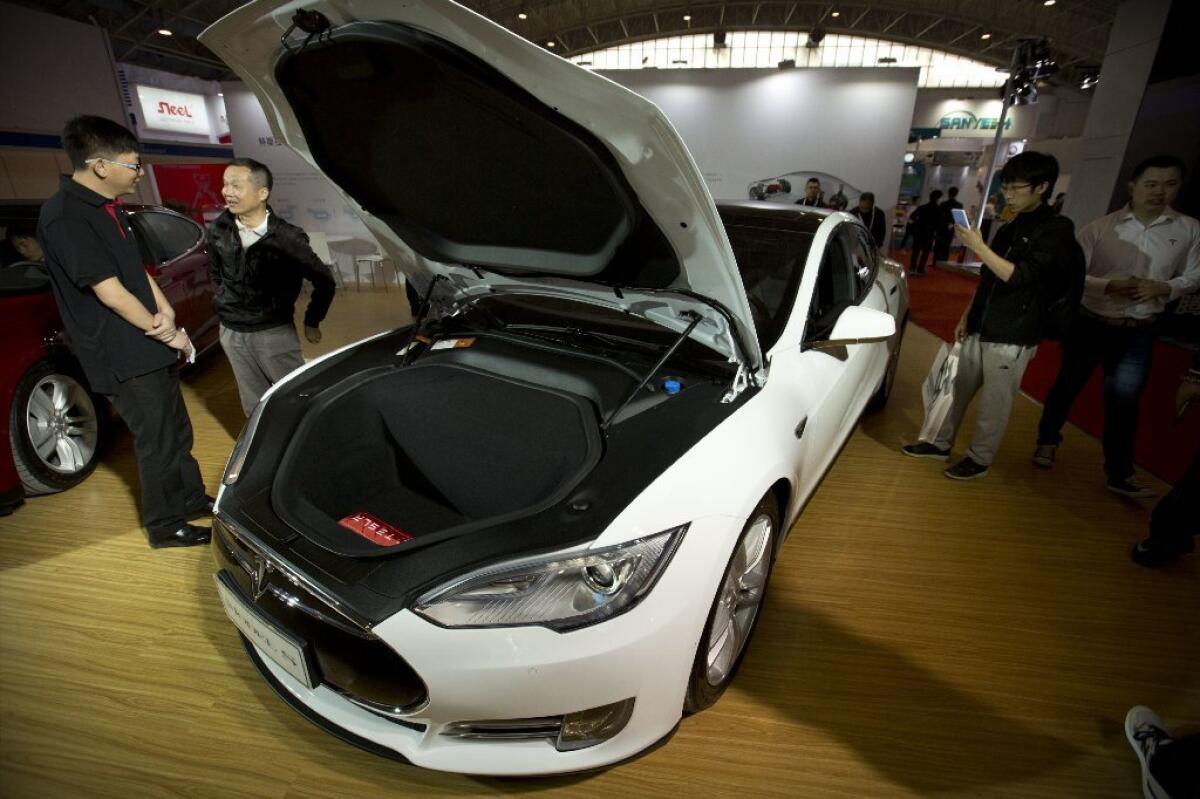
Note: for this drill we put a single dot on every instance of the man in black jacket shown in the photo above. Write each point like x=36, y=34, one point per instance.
x=120, y=326
x=258, y=263
x=1026, y=269
x=872, y=217
x=923, y=223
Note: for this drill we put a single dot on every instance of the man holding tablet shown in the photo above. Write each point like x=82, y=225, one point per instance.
x=1030, y=261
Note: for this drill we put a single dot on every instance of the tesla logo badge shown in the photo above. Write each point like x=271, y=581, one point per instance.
x=258, y=578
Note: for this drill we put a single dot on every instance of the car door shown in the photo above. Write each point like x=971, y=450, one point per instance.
x=178, y=261
x=827, y=388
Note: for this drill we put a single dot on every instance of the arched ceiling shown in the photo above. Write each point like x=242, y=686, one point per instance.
x=1078, y=29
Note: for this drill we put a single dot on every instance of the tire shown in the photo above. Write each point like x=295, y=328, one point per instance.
x=55, y=428
x=880, y=398
x=743, y=587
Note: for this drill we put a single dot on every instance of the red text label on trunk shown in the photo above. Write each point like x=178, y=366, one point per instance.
x=374, y=530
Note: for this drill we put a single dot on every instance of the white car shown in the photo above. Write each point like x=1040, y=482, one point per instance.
x=528, y=533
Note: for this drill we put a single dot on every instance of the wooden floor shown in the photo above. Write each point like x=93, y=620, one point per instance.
x=922, y=637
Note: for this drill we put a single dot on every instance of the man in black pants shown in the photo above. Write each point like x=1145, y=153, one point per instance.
x=924, y=222
x=128, y=351
x=1139, y=258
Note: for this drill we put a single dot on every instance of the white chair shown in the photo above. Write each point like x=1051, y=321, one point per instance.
x=373, y=261
x=320, y=247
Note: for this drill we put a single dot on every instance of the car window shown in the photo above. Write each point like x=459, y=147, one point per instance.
x=864, y=257
x=837, y=286
x=771, y=263
x=169, y=236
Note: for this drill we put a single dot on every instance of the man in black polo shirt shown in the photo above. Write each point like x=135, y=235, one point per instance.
x=128, y=351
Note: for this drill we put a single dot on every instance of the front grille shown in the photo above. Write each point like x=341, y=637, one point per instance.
x=507, y=730
x=353, y=661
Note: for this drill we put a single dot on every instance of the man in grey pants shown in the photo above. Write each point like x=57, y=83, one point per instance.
x=258, y=263
x=1028, y=266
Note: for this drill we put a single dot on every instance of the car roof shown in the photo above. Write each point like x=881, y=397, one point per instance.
x=800, y=219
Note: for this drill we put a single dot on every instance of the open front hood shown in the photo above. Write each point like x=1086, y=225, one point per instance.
x=473, y=154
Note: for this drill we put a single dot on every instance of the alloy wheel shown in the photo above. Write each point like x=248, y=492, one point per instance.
x=61, y=421
x=741, y=597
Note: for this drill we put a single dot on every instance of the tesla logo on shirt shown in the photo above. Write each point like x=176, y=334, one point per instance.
x=374, y=530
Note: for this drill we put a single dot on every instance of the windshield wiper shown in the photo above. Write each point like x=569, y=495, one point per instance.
x=602, y=338
x=666, y=356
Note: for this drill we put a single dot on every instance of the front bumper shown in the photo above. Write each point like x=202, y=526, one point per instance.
x=519, y=673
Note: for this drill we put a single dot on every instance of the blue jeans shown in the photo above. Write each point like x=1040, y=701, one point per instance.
x=1124, y=355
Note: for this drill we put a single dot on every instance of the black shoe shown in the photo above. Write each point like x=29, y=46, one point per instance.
x=1151, y=554
x=187, y=536
x=1130, y=488
x=203, y=512
x=923, y=449
x=966, y=469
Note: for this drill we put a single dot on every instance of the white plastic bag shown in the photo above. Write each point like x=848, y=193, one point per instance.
x=938, y=390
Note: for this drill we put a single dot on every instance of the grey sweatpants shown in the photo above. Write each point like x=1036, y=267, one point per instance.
x=260, y=358
x=998, y=369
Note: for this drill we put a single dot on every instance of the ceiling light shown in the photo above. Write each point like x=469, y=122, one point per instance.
x=522, y=15
x=836, y=14
x=165, y=32
x=986, y=36
x=1049, y=2
x=687, y=17
x=549, y=44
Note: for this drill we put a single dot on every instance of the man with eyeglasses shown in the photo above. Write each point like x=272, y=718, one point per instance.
x=1029, y=263
x=1139, y=258
x=120, y=326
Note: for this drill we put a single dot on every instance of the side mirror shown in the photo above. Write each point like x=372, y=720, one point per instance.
x=858, y=325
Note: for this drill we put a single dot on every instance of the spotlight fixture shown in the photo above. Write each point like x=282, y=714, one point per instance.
x=1049, y=2
x=836, y=14
x=986, y=36
x=1088, y=79
x=687, y=17
x=815, y=36
x=718, y=39
x=164, y=31
x=549, y=44
x=522, y=15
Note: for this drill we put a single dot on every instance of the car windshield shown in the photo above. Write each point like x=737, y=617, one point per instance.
x=771, y=262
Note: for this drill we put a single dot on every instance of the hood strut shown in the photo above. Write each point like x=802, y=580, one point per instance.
x=654, y=369
x=420, y=320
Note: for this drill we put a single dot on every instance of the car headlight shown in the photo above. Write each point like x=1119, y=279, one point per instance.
x=562, y=591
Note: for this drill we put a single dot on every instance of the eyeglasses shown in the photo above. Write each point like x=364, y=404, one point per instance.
x=135, y=167
x=1008, y=188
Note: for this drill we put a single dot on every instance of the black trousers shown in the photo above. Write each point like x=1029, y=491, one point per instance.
x=1176, y=766
x=152, y=406
x=921, y=251
x=1176, y=518
x=1124, y=355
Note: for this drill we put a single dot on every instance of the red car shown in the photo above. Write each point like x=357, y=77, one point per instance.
x=52, y=427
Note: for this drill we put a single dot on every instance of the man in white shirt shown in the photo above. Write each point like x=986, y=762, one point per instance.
x=1139, y=258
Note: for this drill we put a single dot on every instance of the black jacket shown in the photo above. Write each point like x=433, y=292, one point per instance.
x=256, y=289
x=1042, y=246
x=924, y=221
x=874, y=222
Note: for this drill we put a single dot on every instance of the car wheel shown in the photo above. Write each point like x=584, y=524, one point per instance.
x=735, y=610
x=880, y=398
x=54, y=429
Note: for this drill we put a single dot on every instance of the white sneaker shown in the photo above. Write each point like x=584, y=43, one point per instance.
x=1145, y=732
